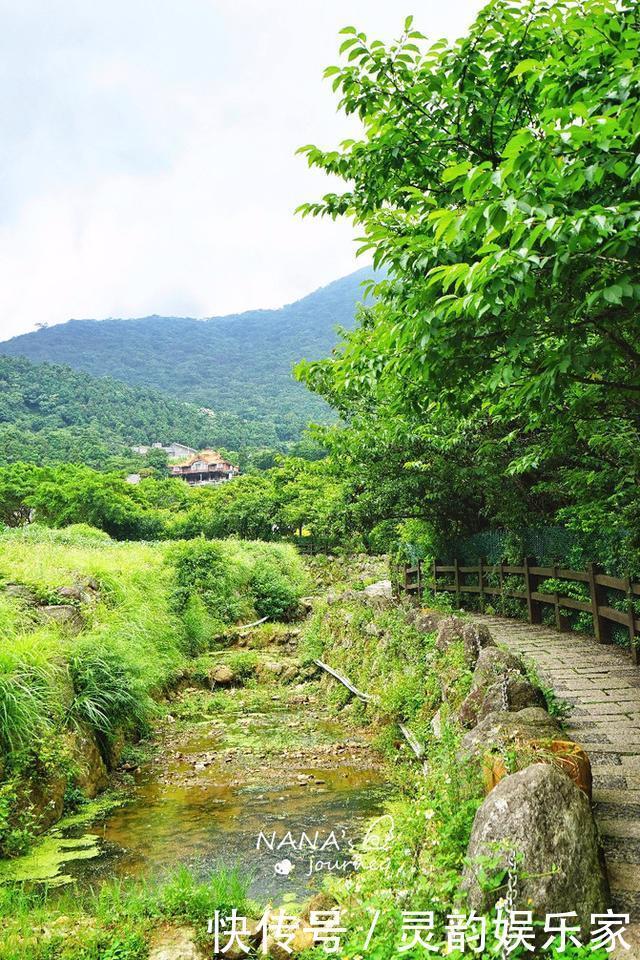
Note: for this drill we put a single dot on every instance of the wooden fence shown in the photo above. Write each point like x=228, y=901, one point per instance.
x=419, y=577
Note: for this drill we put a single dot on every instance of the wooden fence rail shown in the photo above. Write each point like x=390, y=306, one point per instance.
x=418, y=577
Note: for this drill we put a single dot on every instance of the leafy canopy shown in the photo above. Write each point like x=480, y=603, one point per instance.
x=497, y=182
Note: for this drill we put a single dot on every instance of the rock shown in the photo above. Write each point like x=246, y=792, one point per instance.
x=428, y=621
x=382, y=588
x=493, y=664
x=436, y=725
x=498, y=729
x=481, y=701
x=114, y=748
x=475, y=637
x=46, y=799
x=91, y=775
x=373, y=630
x=66, y=615
x=222, y=676
x=302, y=939
x=632, y=938
x=272, y=667
x=321, y=901
x=290, y=674
x=305, y=605
x=22, y=591
x=75, y=593
x=542, y=816
x=378, y=596
x=175, y=943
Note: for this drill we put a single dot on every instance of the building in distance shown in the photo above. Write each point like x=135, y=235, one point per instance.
x=204, y=468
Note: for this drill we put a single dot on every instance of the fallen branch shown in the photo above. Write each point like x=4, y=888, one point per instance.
x=412, y=740
x=345, y=682
x=248, y=626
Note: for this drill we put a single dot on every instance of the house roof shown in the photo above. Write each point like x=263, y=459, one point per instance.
x=207, y=456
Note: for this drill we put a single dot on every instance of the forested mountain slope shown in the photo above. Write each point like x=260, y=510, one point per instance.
x=55, y=413
x=238, y=365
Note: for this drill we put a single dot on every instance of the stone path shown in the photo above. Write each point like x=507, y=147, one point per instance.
x=603, y=688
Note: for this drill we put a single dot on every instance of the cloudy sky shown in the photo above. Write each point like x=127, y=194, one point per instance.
x=147, y=151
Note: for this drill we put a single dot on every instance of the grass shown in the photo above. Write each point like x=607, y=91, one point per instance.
x=389, y=659
x=116, y=922
x=154, y=606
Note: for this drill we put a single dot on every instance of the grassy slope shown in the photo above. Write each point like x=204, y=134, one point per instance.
x=151, y=614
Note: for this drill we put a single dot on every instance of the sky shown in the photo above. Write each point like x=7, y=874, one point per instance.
x=147, y=152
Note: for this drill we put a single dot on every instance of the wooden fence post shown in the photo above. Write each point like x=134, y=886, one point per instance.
x=481, y=583
x=632, y=621
x=502, y=587
x=601, y=628
x=562, y=621
x=456, y=574
x=435, y=578
x=419, y=575
x=534, y=610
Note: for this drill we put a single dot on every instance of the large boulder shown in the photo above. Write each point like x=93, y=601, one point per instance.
x=66, y=615
x=424, y=620
x=91, y=772
x=222, y=676
x=175, y=943
x=514, y=692
x=540, y=816
x=493, y=664
x=501, y=729
x=475, y=637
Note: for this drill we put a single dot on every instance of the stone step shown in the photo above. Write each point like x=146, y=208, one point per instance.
x=620, y=828
x=624, y=877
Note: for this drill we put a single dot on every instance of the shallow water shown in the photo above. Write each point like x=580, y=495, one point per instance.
x=287, y=833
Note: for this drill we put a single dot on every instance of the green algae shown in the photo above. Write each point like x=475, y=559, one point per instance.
x=46, y=860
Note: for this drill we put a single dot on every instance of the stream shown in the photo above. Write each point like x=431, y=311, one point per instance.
x=259, y=779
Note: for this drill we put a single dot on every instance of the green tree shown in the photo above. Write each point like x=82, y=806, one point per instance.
x=497, y=183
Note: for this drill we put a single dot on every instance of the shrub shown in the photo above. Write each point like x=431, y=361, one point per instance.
x=201, y=569
x=104, y=693
x=238, y=579
x=25, y=695
x=275, y=597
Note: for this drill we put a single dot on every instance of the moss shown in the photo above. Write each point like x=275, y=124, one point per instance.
x=45, y=862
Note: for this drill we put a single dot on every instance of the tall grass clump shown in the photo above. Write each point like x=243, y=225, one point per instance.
x=105, y=695
x=236, y=579
x=26, y=694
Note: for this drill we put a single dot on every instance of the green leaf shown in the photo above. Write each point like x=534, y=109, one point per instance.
x=525, y=66
x=456, y=171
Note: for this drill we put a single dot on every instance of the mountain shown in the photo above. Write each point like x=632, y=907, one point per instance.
x=53, y=413
x=238, y=365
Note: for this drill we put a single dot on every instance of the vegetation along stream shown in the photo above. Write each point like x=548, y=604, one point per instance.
x=257, y=778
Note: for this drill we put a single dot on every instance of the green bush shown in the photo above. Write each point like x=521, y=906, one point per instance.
x=275, y=597
x=238, y=580
x=201, y=569
x=104, y=693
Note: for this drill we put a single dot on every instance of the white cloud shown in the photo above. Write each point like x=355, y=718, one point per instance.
x=147, y=161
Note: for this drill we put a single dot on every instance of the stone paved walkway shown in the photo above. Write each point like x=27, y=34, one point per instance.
x=603, y=688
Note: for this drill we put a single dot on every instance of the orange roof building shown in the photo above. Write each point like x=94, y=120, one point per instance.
x=204, y=468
